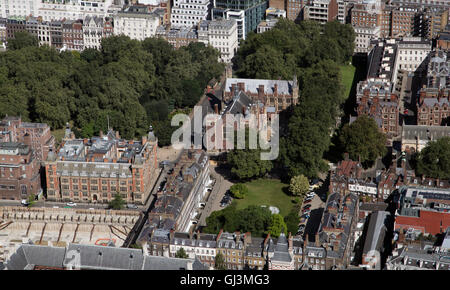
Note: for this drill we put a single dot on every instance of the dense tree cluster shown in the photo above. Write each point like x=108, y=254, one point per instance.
x=313, y=53
x=246, y=163
x=134, y=83
x=254, y=219
x=363, y=140
x=434, y=160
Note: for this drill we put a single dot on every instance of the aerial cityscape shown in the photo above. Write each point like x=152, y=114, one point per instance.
x=225, y=135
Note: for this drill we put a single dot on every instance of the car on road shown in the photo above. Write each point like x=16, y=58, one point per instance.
x=306, y=201
x=311, y=194
x=132, y=206
x=24, y=202
x=91, y=208
x=56, y=206
x=307, y=206
x=306, y=210
x=305, y=216
x=71, y=204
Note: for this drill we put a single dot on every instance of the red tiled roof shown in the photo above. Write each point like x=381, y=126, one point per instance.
x=346, y=167
x=428, y=220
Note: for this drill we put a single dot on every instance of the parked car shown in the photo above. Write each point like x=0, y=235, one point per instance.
x=306, y=210
x=307, y=206
x=306, y=201
x=305, y=216
x=71, y=204
x=24, y=202
x=132, y=206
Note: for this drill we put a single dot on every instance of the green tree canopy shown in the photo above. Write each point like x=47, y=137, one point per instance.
x=434, y=160
x=299, y=185
x=239, y=190
x=219, y=263
x=363, y=139
x=21, y=40
x=117, y=202
x=181, y=253
x=132, y=83
x=277, y=226
x=254, y=219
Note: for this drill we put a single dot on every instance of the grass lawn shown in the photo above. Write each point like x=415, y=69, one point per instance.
x=267, y=192
x=348, y=73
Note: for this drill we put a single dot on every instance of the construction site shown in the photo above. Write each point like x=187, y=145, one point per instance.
x=60, y=226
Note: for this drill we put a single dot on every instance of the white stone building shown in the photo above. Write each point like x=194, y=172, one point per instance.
x=73, y=9
x=321, y=10
x=136, y=23
x=188, y=13
x=220, y=34
x=363, y=37
x=55, y=10
x=10, y=8
x=412, y=54
x=93, y=32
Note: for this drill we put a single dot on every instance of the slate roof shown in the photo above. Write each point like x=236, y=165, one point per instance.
x=95, y=258
x=238, y=103
x=410, y=132
x=284, y=87
x=376, y=231
x=28, y=254
x=281, y=253
x=106, y=258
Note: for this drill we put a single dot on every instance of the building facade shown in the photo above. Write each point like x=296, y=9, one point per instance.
x=136, y=22
x=189, y=13
x=96, y=169
x=222, y=35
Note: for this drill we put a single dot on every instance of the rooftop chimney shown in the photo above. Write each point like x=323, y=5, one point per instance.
x=216, y=108
x=290, y=241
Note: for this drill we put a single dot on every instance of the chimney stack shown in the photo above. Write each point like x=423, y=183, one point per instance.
x=290, y=241
x=216, y=108
x=275, y=90
x=260, y=92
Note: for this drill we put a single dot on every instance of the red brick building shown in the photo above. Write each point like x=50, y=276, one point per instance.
x=19, y=171
x=73, y=35
x=294, y=9
x=374, y=99
x=96, y=169
x=12, y=129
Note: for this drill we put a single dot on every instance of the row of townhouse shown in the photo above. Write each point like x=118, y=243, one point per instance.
x=55, y=10
x=239, y=250
x=330, y=248
x=135, y=22
x=68, y=34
